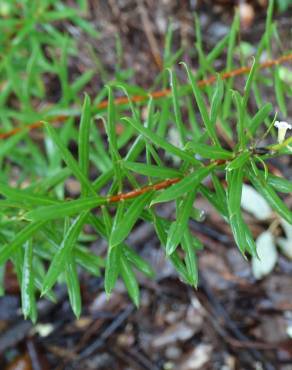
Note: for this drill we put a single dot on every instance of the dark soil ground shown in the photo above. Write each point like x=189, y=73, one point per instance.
x=232, y=321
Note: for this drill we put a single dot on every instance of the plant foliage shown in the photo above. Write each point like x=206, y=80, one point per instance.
x=45, y=234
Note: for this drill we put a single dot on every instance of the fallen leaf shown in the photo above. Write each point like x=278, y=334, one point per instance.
x=197, y=358
x=254, y=203
x=286, y=243
x=267, y=253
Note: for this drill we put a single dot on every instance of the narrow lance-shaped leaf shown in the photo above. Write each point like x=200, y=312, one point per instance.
x=27, y=282
x=138, y=262
x=260, y=117
x=39, y=274
x=112, y=269
x=190, y=257
x=176, y=107
x=280, y=94
x=123, y=228
x=238, y=161
x=22, y=236
x=202, y=107
x=83, y=140
x=161, y=142
x=47, y=183
x=89, y=261
x=214, y=200
x=25, y=197
x=234, y=191
x=178, y=227
x=239, y=229
x=65, y=250
x=216, y=100
x=73, y=285
x=270, y=195
x=112, y=137
x=9, y=144
x=209, y=151
x=189, y=183
x=64, y=209
x=152, y=170
x=248, y=84
x=174, y=257
x=130, y=280
x=240, y=124
x=69, y=159
x=279, y=183
x=229, y=64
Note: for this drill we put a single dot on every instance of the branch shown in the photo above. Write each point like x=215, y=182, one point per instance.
x=155, y=95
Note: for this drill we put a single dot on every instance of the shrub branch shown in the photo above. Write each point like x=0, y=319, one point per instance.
x=155, y=95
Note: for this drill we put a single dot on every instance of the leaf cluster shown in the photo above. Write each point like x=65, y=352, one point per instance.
x=46, y=235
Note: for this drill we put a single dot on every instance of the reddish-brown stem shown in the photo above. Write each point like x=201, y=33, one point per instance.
x=155, y=95
x=154, y=187
x=135, y=193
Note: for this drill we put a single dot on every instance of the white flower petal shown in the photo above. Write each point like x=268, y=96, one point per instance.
x=283, y=125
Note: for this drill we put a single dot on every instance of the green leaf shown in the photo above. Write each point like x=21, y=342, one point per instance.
x=58, y=15
x=248, y=84
x=175, y=101
x=178, y=227
x=110, y=127
x=125, y=225
x=214, y=200
x=190, y=258
x=44, y=185
x=64, y=252
x=83, y=142
x=208, y=151
x=234, y=190
x=112, y=269
x=280, y=94
x=239, y=161
x=130, y=280
x=240, y=124
x=73, y=285
x=202, y=107
x=27, y=283
x=260, y=117
x=229, y=64
x=241, y=233
x=216, y=102
x=21, y=237
x=270, y=195
x=87, y=27
x=81, y=82
x=69, y=159
x=151, y=170
x=279, y=183
x=161, y=142
x=174, y=257
x=64, y=209
x=89, y=261
x=188, y=183
x=9, y=144
x=25, y=197
x=138, y=262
